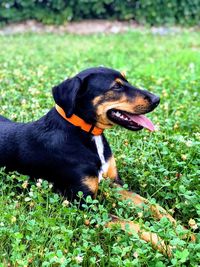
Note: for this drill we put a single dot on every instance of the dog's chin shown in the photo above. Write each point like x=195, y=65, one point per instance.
x=120, y=117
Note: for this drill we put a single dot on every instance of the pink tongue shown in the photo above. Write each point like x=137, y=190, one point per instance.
x=143, y=121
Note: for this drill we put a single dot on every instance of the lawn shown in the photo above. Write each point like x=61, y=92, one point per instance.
x=39, y=227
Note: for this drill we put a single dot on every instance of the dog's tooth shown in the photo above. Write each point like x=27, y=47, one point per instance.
x=118, y=114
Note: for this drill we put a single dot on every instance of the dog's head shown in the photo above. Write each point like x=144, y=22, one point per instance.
x=103, y=97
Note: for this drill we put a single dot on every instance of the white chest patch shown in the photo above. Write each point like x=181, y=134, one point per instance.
x=100, y=149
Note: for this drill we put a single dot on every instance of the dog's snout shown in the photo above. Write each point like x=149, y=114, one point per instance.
x=152, y=99
x=155, y=100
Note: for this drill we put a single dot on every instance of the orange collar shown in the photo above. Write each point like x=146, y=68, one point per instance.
x=77, y=121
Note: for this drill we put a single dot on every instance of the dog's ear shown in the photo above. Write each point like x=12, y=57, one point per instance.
x=65, y=94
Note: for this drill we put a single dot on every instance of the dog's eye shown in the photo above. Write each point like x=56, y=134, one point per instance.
x=117, y=86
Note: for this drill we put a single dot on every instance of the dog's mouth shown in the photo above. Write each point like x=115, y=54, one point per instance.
x=130, y=121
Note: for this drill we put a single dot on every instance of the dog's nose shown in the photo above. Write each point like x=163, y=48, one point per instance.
x=155, y=100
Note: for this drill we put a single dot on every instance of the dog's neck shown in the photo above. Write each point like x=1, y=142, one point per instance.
x=78, y=122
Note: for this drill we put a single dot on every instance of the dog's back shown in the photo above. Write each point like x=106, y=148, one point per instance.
x=7, y=140
x=3, y=119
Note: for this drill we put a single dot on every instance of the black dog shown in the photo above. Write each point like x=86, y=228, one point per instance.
x=67, y=146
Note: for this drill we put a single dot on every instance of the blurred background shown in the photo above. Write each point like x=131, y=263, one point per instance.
x=150, y=12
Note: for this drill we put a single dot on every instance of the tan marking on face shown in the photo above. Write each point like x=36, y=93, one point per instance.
x=118, y=80
x=112, y=169
x=123, y=73
x=140, y=101
x=91, y=182
x=138, y=105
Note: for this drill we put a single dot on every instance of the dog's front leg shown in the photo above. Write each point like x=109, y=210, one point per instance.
x=86, y=184
x=133, y=227
x=157, y=211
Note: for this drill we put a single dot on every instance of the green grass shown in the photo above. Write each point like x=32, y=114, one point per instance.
x=36, y=228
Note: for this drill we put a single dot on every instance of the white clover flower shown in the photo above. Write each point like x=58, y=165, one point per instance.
x=65, y=203
x=23, y=102
x=157, y=127
x=38, y=185
x=13, y=219
x=78, y=259
x=50, y=186
x=62, y=260
x=189, y=143
x=192, y=223
x=184, y=157
x=25, y=184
